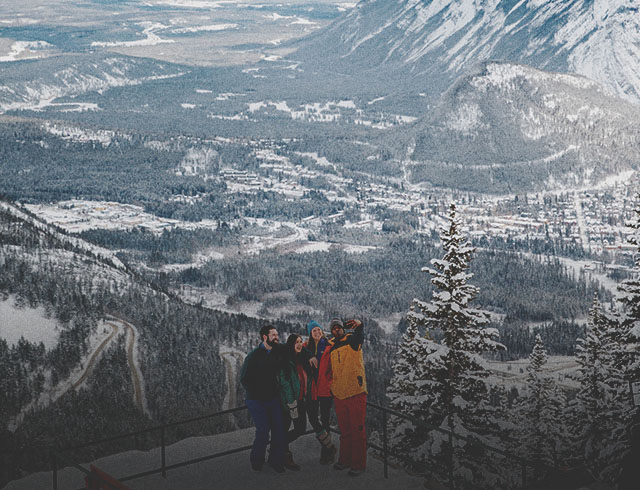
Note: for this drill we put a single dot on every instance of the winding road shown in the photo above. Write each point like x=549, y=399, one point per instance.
x=137, y=379
x=231, y=358
x=94, y=357
x=81, y=374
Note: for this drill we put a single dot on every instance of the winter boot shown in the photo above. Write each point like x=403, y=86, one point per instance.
x=328, y=450
x=324, y=457
x=289, y=463
x=332, y=451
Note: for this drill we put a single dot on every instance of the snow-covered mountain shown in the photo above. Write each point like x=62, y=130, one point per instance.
x=437, y=40
x=36, y=85
x=509, y=128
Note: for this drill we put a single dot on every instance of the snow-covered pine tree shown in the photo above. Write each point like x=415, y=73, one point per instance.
x=413, y=391
x=540, y=415
x=627, y=358
x=599, y=414
x=457, y=396
x=630, y=298
x=408, y=384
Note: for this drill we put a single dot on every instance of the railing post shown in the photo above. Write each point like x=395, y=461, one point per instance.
x=452, y=484
x=162, y=453
x=92, y=481
x=384, y=443
x=54, y=465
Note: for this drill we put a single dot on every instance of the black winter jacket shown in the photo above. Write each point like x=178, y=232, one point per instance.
x=259, y=370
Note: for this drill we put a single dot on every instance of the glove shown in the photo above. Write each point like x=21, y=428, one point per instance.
x=353, y=324
x=293, y=409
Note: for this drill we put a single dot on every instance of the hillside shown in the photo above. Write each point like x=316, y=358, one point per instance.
x=513, y=128
x=170, y=347
x=57, y=81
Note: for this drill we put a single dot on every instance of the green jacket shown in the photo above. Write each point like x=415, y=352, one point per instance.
x=289, y=388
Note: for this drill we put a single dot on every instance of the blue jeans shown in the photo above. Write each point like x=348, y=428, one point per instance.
x=267, y=415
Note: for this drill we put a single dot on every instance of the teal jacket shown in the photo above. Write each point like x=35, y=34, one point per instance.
x=289, y=388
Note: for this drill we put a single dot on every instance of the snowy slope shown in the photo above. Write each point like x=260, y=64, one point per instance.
x=81, y=245
x=436, y=40
x=512, y=127
x=34, y=86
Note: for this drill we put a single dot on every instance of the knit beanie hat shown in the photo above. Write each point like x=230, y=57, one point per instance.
x=334, y=322
x=311, y=325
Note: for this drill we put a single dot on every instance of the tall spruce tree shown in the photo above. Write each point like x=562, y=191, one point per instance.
x=540, y=414
x=450, y=376
x=629, y=296
x=413, y=390
x=628, y=334
x=600, y=411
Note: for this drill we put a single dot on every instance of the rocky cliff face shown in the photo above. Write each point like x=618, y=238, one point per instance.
x=434, y=41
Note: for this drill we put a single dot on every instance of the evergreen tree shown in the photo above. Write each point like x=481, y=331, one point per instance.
x=630, y=298
x=412, y=389
x=601, y=409
x=539, y=414
x=449, y=378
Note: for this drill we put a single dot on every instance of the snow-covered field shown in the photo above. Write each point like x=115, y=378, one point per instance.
x=332, y=111
x=25, y=50
x=76, y=216
x=23, y=321
x=514, y=373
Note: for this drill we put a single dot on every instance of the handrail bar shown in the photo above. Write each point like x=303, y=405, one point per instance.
x=180, y=464
x=386, y=451
x=448, y=432
x=241, y=408
x=151, y=429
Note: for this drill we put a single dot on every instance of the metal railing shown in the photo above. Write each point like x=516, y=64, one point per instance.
x=162, y=429
x=163, y=468
x=452, y=436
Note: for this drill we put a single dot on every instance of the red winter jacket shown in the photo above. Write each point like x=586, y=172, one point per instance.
x=321, y=380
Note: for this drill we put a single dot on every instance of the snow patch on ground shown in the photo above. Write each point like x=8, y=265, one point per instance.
x=198, y=260
x=313, y=247
x=358, y=249
x=78, y=135
x=76, y=216
x=23, y=321
x=322, y=161
x=151, y=38
x=26, y=50
x=207, y=28
x=305, y=22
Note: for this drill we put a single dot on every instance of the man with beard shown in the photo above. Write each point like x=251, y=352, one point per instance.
x=258, y=376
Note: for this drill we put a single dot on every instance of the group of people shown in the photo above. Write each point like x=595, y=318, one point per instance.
x=286, y=384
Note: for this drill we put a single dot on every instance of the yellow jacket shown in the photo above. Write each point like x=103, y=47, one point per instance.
x=347, y=366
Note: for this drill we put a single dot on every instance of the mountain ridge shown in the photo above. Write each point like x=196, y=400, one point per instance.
x=515, y=128
x=435, y=41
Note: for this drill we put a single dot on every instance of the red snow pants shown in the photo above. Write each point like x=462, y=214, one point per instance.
x=351, y=414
